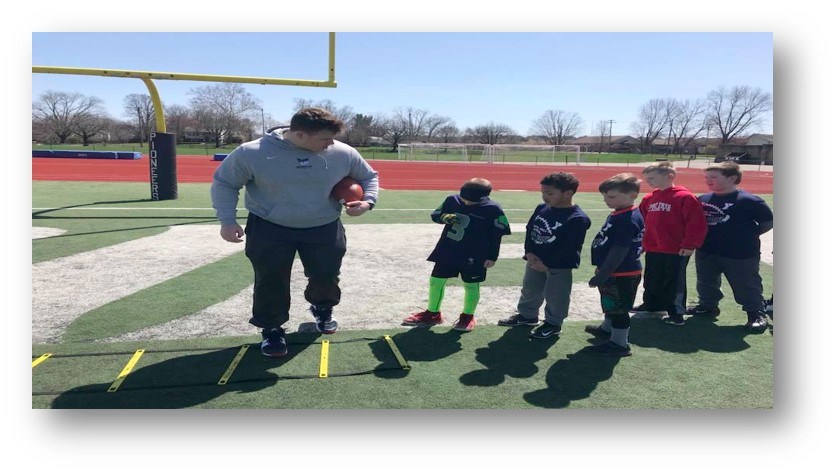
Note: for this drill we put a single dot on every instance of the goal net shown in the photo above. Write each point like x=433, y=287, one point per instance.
x=566, y=154
x=434, y=151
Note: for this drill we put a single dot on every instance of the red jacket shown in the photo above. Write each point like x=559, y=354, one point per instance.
x=674, y=220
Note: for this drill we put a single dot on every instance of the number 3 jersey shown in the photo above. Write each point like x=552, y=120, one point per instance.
x=476, y=235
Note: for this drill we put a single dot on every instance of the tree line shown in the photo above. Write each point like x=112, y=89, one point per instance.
x=226, y=113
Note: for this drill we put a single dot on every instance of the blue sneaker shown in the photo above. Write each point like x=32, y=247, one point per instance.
x=273, y=343
x=323, y=317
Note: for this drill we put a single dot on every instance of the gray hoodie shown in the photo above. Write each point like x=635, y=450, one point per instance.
x=288, y=185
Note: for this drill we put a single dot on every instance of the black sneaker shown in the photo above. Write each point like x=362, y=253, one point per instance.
x=642, y=310
x=769, y=307
x=609, y=348
x=273, y=343
x=518, y=320
x=756, y=321
x=546, y=330
x=699, y=310
x=597, y=331
x=674, y=319
x=323, y=317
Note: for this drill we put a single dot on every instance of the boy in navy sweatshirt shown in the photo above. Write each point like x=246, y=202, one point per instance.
x=615, y=252
x=675, y=227
x=735, y=220
x=553, y=246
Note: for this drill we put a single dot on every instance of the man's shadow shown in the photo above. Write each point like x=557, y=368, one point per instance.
x=699, y=333
x=514, y=354
x=188, y=381
x=419, y=344
x=573, y=378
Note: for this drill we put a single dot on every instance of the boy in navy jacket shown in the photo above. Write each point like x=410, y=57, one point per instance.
x=553, y=246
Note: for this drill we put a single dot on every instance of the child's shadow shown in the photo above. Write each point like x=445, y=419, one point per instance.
x=420, y=343
x=573, y=378
x=514, y=354
x=187, y=381
x=697, y=334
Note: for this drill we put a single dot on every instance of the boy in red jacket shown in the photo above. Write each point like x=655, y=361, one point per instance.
x=675, y=227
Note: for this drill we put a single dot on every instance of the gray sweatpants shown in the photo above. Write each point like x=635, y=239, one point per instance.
x=553, y=286
x=741, y=274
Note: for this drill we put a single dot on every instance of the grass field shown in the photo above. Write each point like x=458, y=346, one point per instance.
x=704, y=364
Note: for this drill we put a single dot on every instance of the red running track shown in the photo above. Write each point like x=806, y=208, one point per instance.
x=392, y=174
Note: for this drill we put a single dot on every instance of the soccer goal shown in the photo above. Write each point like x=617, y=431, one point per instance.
x=532, y=153
x=434, y=152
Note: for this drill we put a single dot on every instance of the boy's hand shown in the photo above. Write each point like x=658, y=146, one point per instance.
x=488, y=264
x=535, y=263
x=686, y=252
x=450, y=219
x=596, y=281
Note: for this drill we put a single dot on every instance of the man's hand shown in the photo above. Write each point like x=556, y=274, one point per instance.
x=450, y=219
x=232, y=232
x=686, y=252
x=488, y=264
x=356, y=208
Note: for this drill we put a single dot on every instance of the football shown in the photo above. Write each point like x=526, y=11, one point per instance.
x=347, y=190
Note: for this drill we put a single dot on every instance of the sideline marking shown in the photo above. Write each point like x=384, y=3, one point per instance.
x=324, y=359
x=41, y=359
x=235, y=363
x=396, y=352
x=126, y=370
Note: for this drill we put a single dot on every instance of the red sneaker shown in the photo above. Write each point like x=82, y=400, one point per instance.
x=424, y=318
x=465, y=323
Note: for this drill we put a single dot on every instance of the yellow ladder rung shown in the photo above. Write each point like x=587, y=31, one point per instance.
x=126, y=370
x=235, y=363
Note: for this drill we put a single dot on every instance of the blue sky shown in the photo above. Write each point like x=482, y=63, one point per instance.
x=471, y=77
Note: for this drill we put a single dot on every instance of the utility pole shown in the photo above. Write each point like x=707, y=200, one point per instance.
x=610, y=123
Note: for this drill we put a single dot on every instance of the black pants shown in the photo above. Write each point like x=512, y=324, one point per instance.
x=665, y=282
x=616, y=296
x=271, y=249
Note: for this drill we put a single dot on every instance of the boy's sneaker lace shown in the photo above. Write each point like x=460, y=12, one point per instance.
x=423, y=318
x=518, y=320
x=273, y=343
x=465, y=323
x=323, y=318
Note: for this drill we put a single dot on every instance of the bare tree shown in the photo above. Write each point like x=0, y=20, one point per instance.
x=653, y=118
x=557, y=126
x=140, y=108
x=222, y=109
x=734, y=111
x=362, y=128
x=602, y=128
x=415, y=119
x=89, y=125
x=395, y=130
x=490, y=133
x=687, y=122
x=434, y=123
x=178, y=119
x=58, y=111
x=448, y=133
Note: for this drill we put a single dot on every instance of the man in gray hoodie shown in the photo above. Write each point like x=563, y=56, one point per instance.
x=288, y=175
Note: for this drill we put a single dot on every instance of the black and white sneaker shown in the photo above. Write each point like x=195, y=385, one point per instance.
x=703, y=311
x=518, y=320
x=273, y=343
x=756, y=321
x=546, y=330
x=674, y=319
x=324, y=322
